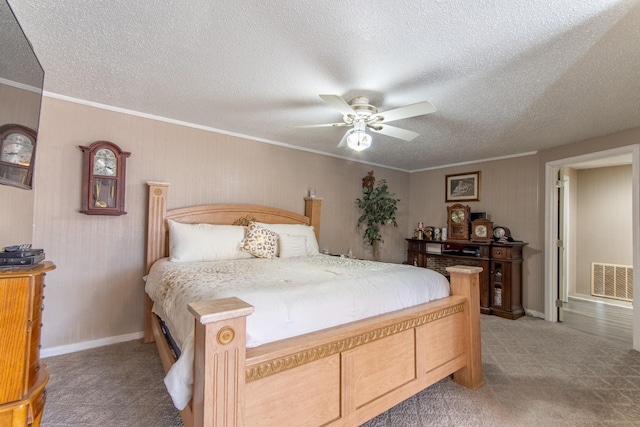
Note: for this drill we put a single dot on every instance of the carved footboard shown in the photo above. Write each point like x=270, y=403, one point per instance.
x=341, y=376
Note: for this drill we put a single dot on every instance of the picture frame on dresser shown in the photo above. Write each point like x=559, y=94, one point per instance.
x=462, y=187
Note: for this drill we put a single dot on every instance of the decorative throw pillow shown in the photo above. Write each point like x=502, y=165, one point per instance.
x=205, y=242
x=259, y=241
x=292, y=245
x=296, y=230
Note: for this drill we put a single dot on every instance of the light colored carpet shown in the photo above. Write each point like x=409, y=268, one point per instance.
x=536, y=374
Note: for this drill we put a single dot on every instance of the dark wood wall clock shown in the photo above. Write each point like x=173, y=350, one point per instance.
x=458, y=220
x=103, y=179
x=17, y=155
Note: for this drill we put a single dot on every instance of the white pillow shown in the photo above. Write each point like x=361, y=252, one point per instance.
x=296, y=230
x=292, y=246
x=205, y=242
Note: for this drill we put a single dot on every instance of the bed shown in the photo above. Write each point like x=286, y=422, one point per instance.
x=342, y=375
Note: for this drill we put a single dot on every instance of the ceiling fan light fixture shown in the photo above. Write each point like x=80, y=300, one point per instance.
x=359, y=140
x=360, y=114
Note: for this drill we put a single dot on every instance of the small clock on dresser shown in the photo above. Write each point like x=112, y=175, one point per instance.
x=103, y=179
x=482, y=230
x=458, y=221
x=17, y=154
x=500, y=232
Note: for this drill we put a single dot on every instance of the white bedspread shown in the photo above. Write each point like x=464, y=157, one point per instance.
x=291, y=297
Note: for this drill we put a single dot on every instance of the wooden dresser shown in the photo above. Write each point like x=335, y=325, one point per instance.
x=501, y=277
x=22, y=377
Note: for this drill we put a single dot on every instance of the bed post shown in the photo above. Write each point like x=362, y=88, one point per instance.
x=156, y=242
x=465, y=281
x=156, y=232
x=312, y=209
x=219, y=361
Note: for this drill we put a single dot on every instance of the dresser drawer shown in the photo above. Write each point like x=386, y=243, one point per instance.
x=38, y=290
x=36, y=408
x=500, y=253
x=34, y=346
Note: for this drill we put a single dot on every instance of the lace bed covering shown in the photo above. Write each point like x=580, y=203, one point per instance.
x=291, y=297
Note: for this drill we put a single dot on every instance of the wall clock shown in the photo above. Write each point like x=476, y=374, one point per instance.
x=458, y=221
x=103, y=179
x=482, y=230
x=17, y=155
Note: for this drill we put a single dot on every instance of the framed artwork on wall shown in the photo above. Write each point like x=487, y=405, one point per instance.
x=462, y=187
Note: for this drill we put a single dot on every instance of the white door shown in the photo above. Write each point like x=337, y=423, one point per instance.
x=563, y=214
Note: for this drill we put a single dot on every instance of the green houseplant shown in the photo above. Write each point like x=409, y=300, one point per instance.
x=379, y=208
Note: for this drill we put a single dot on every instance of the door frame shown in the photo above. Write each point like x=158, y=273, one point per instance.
x=551, y=229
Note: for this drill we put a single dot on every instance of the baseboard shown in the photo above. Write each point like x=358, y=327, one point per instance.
x=533, y=313
x=86, y=345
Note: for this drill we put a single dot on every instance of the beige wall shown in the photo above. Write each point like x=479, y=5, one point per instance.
x=19, y=106
x=97, y=290
x=604, y=221
x=16, y=215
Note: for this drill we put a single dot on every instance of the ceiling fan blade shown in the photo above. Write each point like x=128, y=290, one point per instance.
x=320, y=125
x=412, y=110
x=343, y=141
x=407, y=135
x=339, y=104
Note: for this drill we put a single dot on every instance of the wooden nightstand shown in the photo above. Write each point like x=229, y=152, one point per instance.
x=22, y=377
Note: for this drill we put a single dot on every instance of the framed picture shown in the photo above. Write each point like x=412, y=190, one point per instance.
x=463, y=187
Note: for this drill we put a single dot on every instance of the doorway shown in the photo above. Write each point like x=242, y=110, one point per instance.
x=592, y=226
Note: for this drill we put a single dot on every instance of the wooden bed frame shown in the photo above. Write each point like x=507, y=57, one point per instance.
x=342, y=376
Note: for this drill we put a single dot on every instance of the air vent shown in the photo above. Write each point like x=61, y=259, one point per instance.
x=612, y=281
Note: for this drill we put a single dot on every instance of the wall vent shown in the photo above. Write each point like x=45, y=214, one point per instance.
x=612, y=281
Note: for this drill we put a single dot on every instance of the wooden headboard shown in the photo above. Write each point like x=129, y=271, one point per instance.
x=157, y=229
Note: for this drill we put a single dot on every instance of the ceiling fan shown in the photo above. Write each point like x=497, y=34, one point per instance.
x=359, y=114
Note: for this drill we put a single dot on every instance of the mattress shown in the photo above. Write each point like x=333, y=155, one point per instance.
x=291, y=297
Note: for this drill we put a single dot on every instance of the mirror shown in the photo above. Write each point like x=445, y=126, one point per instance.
x=21, y=82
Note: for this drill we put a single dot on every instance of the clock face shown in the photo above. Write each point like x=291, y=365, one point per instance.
x=105, y=163
x=480, y=230
x=457, y=216
x=17, y=149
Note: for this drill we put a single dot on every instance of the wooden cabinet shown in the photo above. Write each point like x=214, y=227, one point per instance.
x=501, y=277
x=506, y=280
x=22, y=377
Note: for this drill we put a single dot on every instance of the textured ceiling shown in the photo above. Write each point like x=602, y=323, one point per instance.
x=18, y=64
x=507, y=76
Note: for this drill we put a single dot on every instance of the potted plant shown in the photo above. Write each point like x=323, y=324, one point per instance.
x=379, y=208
